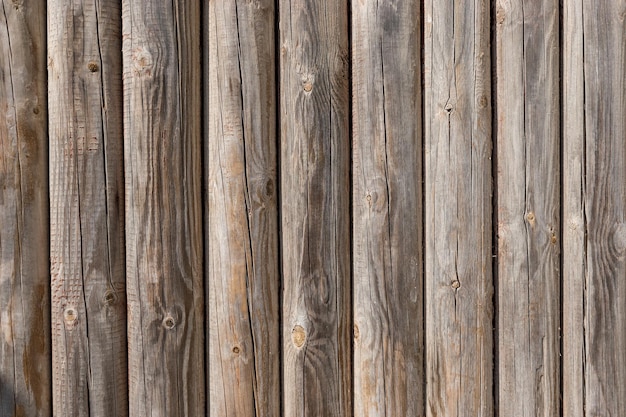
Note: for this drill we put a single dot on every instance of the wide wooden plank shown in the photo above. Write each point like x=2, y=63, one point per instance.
x=387, y=209
x=458, y=260
x=25, y=368
x=574, y=257
x=604, y=208
x=87, y=209
x=315, y=207
x=241, y=210
x=528, y=229
x=162, y=148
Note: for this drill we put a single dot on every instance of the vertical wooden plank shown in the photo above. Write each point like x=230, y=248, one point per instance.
x=574, y=227
x=242, y=236
x=87, y=209
x=528, y=193
x=315, y=209
x=25, y=372
x=459, y=342
x=387, y=209
x=604, y=207
x=161, y=45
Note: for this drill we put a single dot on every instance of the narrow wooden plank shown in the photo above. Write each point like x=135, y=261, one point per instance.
x=387, y=209
x=528, y=194
x=162, y=147
x=574, y=269
x=315, y=210
x=25, y=369
x=87, y=209
x=459, y=311
x=242, y=215
x=604, y=207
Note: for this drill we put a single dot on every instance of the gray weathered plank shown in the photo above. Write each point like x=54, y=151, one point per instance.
x=87, y=209
x=573, y=258
x=25, y=372
x=387, y=209
x=458, y=271
x=315, y=210
x=601, y=339
x=162, y=148
x=528, y=235
x=242, y=216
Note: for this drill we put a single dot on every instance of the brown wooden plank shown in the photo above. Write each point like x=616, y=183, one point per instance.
x=604, y=208
x=459, y=342
x=25, y=368
x=387, y=209
x=242, y=216
x=87, y=209
x=527, y=67
x=162, y=147
x=573, y=258
x=315, y=210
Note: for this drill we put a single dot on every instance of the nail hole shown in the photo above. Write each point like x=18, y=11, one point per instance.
x=236, y=350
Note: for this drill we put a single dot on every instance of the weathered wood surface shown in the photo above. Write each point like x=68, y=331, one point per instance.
x=595, y=317
x=89, y=353
x=25, y=373
x=241, y=209
x=315, y=209
x=161, y=49
x=458, y=186
x=528, y=228
x=574, y=222
x=387, y=209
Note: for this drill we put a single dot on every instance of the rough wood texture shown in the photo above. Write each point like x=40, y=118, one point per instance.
x=87, y=209
x=574, y=228
x=242, y=217
x=601, y=338
x=315, y=210
x=25, y=374
x=387, y=209
x=161, y=45
x=459, y=342
x=527, y=48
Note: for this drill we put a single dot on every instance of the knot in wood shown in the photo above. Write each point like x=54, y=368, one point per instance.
x=93, y=67
x=109, y=297
x=169, y=322
x=298, y=336
x=70, y=316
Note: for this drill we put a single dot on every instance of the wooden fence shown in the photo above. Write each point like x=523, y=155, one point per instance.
x=313, y=208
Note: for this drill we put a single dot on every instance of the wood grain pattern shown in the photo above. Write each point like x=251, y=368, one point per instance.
x=458, y=185
x=87, y=209
x=162, y=148
x=242, y=215
x=604, y=207
x=315, y=210
x=527, y=69
x=574, y=227
x=387, y=209
x=25, y=372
